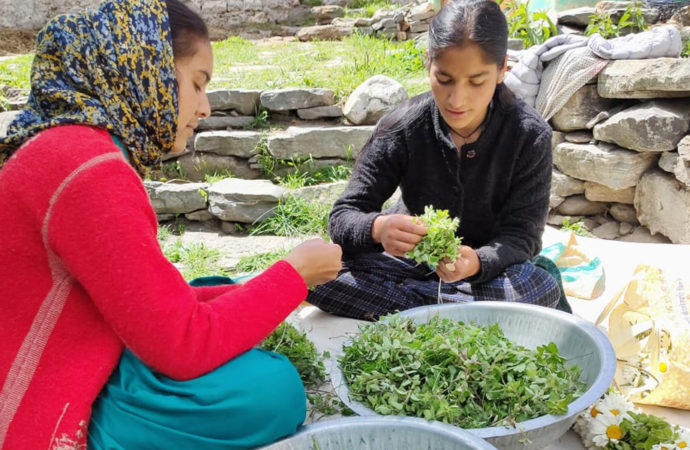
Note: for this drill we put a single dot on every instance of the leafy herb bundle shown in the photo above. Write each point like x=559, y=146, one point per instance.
x=457, y=373
x=440, y=241
x=288, y=341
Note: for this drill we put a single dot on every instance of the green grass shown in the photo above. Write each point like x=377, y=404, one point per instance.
x=259, y=261
x=293, y=217
x=337, y=65
x=15, y=72
x=197, y=260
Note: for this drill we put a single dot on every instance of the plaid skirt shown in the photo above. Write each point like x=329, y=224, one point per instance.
x=375, y=284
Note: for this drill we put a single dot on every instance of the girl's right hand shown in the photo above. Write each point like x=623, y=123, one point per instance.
x=316, y=260
x=398, y=233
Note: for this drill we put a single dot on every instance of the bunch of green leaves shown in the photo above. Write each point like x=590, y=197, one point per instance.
x=532, y=27
x=295, y=345
x=440, y=241
x=578, y=226
x=295, y=216
x=631, y=21
x=456, y=373
x=643, y=432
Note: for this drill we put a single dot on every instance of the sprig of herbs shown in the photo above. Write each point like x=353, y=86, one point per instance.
x=456, y=373
x=440, y=241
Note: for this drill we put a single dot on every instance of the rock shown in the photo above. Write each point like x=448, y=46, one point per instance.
x=320, y=112
x=576, y=16
x=363, y=22
x=616, y=9
x=5, y=119
x=244, y=101
x=319, y=142
x=681, y=169
x=236, y=200
x=176, y=198
x=579, y=137
x=681, y=17
x=372, y=99
x=582, y=107
x=324, y=14
x=605, y=164
x=624, y=213
x=653, y=126
x=515, y=44
x=608, y=230
x=663, y=205
x=565, y=186
x=555, y=200
x=326, y=193
x=197, y=165
x=296, y=98
x=555, y=220
x=625, y=228
x=228, y=143
x=596, y=192
x=425, y=11
x=643, y=235
x=224, y=122
x=319, y=33
x=645, y=78
x=578, y=205
x=203, y=215
x=668, y=161
x=556, y=138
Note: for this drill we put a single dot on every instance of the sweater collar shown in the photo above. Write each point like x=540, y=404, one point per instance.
x=442, y=129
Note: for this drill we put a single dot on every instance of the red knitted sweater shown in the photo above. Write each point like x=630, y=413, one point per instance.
x=82, y=276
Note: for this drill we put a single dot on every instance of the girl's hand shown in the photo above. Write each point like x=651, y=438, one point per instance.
x=316, y=260
x=398, y=233
x=465, y=266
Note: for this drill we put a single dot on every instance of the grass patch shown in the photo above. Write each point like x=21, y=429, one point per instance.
x=15, y=73
x=337, y=65
x=293, y=217
x=197, y=260
x=260, y=261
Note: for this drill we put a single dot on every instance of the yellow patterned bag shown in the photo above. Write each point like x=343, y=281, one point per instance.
x=649, y=328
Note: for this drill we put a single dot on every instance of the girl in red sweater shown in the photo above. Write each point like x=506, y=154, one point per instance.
x=82, y=276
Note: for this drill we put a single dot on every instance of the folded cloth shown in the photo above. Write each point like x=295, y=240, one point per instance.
x=659, y=42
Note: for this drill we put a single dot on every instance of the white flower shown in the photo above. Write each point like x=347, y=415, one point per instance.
x=683, y=440
x=605, y=428
x=663, y=447
x=616, y=404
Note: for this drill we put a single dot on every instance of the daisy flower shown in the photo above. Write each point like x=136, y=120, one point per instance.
x=605, y=428
x=683, y=439
x=663, y=447
x=615, y=404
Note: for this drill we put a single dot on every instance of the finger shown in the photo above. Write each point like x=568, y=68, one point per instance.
x=407, y=238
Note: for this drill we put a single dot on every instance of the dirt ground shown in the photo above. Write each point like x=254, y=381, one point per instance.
x=16, y=42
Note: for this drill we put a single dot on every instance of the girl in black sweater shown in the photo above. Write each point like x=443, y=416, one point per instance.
x=468, y=146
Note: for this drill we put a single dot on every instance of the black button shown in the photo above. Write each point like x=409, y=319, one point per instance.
x=471, y=154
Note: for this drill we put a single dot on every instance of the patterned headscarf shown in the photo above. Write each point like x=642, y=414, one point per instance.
x=111, y=67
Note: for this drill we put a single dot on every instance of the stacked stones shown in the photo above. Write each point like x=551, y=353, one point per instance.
x=315, y=132
x=404, y=23
x=622, y=153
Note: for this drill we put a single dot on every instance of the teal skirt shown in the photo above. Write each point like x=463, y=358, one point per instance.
x=253, y=400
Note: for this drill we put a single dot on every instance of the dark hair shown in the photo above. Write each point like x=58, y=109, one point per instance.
x=186, y=29
x=459, y=23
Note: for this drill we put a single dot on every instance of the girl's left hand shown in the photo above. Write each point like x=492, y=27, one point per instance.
x=465, y=266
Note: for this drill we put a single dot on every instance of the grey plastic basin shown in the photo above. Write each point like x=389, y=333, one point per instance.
x=579, y=341
x=381, y=433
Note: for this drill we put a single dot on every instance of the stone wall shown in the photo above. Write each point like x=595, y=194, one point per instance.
x=622, y=151
x=223, y=14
